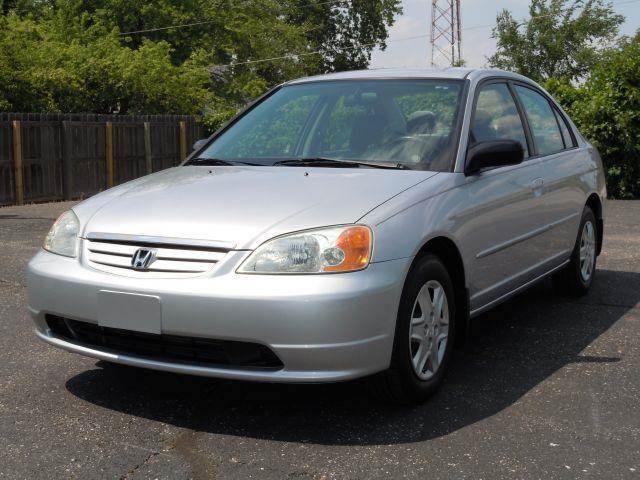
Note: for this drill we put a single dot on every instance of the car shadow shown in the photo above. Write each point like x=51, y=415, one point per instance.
x=515, y=347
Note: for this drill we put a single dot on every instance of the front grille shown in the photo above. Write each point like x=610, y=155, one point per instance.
x=168, y=260
x=222, y=353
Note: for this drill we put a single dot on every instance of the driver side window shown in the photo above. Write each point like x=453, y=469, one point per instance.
x=496, y=117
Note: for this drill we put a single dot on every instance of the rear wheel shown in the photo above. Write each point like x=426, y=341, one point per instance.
x=576, y=278
x=424, y=335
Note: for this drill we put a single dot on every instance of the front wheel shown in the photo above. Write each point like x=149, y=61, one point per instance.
x=424, y=336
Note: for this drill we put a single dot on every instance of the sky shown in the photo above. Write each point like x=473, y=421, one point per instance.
x=477, y=43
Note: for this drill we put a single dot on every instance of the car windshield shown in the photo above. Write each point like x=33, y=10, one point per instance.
x=406, y=123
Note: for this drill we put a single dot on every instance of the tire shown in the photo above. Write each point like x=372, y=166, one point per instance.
x=403, y=382
x=576, y=278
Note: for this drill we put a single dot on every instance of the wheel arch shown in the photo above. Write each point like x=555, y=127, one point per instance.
x=447, y=251
x=595, y=204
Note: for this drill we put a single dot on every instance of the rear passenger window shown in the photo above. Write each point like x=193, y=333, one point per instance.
x=564, y=129
x=496, y=117
x=542, y=120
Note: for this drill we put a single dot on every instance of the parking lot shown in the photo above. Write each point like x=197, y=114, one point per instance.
x=549, y=389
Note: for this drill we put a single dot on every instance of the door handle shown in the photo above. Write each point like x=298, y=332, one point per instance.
x=537, y=185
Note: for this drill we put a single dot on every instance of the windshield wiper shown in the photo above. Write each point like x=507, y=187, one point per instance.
x=216, y=162
x=333, y=162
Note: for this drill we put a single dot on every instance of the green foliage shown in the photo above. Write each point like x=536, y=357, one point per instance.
x=347, y=30
x=570, y=46
x=607, y=110
x=273, y=133
x=47, y=70
x=72, y=55
x=562, y=39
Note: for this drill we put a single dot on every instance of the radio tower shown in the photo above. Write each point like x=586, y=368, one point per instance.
x=446, y=41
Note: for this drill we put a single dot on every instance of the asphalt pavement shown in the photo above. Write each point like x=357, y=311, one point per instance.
x=550, y=389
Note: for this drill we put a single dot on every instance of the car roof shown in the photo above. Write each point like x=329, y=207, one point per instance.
x=459, y=73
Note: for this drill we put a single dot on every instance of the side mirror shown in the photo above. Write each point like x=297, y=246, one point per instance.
x=199, y=144
x=495, y=153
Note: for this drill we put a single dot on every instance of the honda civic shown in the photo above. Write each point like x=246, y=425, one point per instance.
x=341, y=226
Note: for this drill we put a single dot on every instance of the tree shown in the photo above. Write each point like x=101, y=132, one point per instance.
x=127, y=57
x=348, y=31
x=44, y=70
x=607, y=110
x=563, y=38
x=227, y=31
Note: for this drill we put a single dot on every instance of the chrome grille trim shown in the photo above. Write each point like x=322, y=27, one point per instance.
x=154, y=240
x=169, y=259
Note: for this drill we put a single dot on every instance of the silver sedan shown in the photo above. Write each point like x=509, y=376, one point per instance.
x=342, y=226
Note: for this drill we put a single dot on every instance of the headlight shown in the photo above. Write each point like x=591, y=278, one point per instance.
x=326, y=250
x=63, y=236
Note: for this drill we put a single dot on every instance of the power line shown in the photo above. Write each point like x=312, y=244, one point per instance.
x=149, y=30
x=337, y=2
x=524, y=22
x=290, y=56
x=206, y=22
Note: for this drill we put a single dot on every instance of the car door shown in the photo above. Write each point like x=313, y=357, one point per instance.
x=501, y=206
x=561, y=165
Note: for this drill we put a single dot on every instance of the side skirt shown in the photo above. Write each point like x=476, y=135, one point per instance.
x=517, y=290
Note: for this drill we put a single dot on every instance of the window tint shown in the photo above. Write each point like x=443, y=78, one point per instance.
x=432, y=112
x=394, y=121
x=496, y=117
x=542, y=120
x=343, y=132
x=564, y=129
x=271, y=135
x=412, y=123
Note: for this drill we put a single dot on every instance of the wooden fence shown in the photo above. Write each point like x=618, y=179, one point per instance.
x=45, y=157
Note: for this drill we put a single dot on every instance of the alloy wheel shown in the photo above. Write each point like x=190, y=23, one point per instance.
x=429, y=329
x=587, y=251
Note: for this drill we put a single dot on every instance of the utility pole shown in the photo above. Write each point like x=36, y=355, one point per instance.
x=446, y=39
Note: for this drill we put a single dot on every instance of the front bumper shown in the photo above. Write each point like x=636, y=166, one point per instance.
x=323, y=328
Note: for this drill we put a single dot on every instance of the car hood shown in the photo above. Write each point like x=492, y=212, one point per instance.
x=242, y=206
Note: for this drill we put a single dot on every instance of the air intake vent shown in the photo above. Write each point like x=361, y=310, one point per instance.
x=168, y=348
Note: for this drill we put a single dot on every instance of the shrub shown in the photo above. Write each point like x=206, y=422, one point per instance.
x=606, y=108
